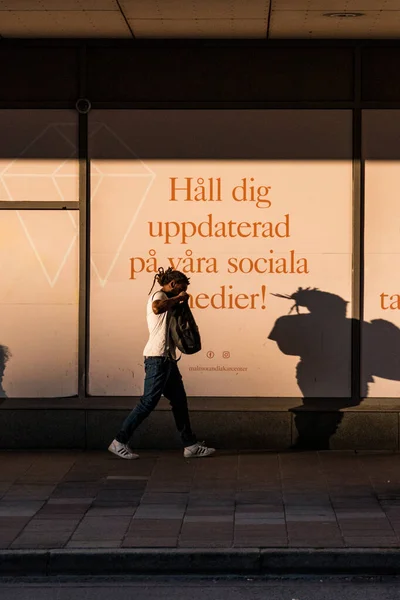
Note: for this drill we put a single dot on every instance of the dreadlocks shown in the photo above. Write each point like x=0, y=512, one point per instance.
x=163, y=277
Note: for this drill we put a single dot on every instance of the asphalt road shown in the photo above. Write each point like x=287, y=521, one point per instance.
x=200, y=589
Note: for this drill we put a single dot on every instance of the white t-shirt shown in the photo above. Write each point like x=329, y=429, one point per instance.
x=158, y=329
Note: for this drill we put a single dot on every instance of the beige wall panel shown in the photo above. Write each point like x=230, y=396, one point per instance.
x=336, y=5
x=381, y=328
x=312, y=24
x=252, y=28
x=199, y=28
x=198, y=9
x=152, y=9
x=44, y=5
x=130, y=190
x=63, y=23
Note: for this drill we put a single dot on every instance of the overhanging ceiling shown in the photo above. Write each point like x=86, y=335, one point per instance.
x=241, y=19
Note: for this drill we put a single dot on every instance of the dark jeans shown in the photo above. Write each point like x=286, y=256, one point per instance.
x=162, y=377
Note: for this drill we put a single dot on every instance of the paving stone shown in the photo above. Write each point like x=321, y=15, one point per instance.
x=14, y=467
x=371, y=542
x=157, y=511
x=153, y=528
x=43, y=533
x=12, y=522
x=214, y=487
x=214, y=500
x=209, y=519
x=43, y=471
x=322, y=529
x=111, y=511
x=4, y=487
x=143, y=542
x=81, y=473
x=19, y=508
x=164, y=498
x=126, y=478
x=28, y=492
x=42, y=542
x=211, y=511
x=116, y=483
x=372, y=525
x=171, y=486
x=70, y=490
x=205, y=543
x=264, y=508
x=69, y=502
x=116, y=495
x=258, y=497
x=133, y=503
x=94, y=544
x=7, y=540
x=315, y=543
x=98, y=528
x=362, y=533
x=260, y=530
x=37, y=525
x=57, y=511
x=197, y=531
x=260, y=542
x=258, y=521
x=310, y=518
x=10, y=528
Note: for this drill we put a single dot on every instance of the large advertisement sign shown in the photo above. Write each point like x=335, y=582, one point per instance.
x=38, y=255
x=254, y=207
x=381, y=326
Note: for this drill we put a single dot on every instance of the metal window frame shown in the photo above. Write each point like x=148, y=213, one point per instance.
x=358, y=235
x=84, y=258
x=28, y=205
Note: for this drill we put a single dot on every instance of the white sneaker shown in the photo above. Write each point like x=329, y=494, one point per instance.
x=122, y=450
x=198, y=450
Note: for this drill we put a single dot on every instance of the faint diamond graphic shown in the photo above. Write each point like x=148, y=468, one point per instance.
x=52, y=249
x=108, y=185
x=30, y=177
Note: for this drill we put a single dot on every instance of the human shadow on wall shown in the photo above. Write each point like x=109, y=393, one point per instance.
x=4, y=356
x=322, y=340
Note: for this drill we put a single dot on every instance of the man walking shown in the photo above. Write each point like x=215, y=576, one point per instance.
x=162, y=373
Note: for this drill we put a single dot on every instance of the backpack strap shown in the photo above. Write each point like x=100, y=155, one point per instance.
x=168, y=338
x=167, y=334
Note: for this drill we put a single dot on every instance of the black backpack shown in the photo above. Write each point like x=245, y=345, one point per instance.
x=183, y=329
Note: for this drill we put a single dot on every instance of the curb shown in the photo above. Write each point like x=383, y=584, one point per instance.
x=254, y=561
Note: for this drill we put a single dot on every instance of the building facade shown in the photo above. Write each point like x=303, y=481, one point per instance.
x=267, y=172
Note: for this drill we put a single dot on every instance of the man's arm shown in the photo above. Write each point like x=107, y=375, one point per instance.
x=161, y=306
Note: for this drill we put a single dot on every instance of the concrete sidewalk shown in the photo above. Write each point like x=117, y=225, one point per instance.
x=235, y=503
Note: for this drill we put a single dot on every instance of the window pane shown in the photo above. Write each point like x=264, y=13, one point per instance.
x=381, y=326
x=39, y=303
x=248, y=204
x=38, y=156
